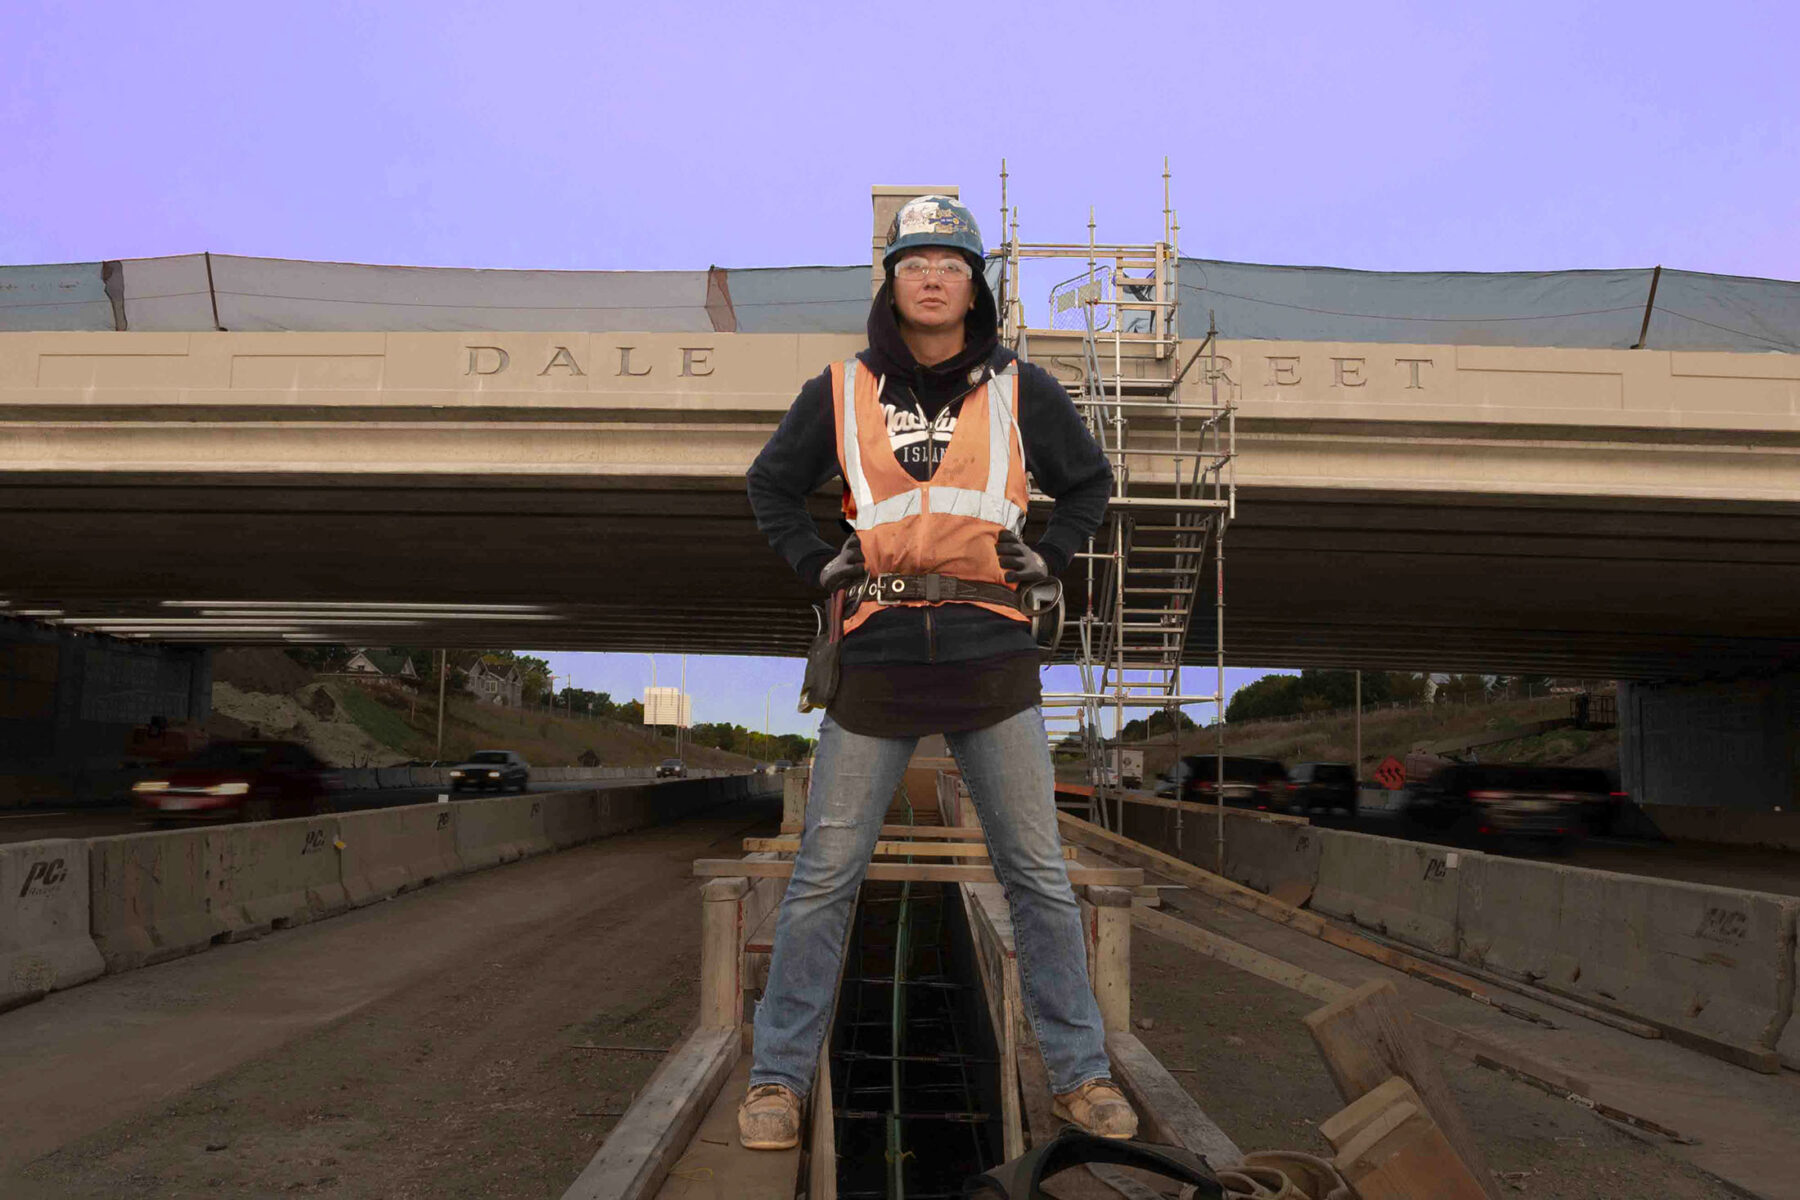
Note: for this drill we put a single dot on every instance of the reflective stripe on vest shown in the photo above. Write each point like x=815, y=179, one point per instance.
x=950, y=523
x=990, y=504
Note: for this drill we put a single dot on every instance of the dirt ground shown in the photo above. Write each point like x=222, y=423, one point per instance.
x=432, y=1047
x=462, y=1079
x=1237, y=1043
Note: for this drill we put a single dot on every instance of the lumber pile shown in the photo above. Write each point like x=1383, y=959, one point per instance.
x=1402, y=1135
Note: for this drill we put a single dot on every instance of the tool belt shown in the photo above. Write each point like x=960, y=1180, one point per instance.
x=934, y=589
x=1040, y=602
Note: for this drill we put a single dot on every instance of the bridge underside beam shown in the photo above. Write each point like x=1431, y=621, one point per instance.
x=1631, y=588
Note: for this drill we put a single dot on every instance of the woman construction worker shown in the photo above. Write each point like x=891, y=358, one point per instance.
x=932, y=429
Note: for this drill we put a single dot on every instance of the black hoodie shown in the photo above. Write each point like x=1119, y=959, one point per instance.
x=953, y=667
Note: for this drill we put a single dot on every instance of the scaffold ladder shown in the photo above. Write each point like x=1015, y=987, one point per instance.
x=1159, y=417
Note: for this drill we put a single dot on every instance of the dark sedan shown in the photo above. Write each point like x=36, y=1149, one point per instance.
x=1322, y=787
x=1506, y=801
x=1260, y=783
x=239, y=780
x=497, y=770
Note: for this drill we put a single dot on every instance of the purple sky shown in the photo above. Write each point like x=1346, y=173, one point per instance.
x=678, y=135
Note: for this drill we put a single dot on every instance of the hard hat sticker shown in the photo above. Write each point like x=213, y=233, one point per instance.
x=929, y=218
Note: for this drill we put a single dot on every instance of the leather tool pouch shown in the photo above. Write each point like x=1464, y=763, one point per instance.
x=819, y=686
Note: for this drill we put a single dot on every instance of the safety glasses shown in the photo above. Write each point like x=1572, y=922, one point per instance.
x=916, y=269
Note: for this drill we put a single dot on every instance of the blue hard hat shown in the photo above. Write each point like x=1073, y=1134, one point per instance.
x=933, y=221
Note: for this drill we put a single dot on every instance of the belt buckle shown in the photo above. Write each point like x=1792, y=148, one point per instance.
x=887, y=592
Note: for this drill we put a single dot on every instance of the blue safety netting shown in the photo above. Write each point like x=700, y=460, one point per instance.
x=1691, y=311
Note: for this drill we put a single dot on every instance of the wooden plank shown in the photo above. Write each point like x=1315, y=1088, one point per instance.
x=761, y=940
x=821, y=1171
x=1340, y=1127
x=1166, y=1113
x=1040, y=1123
x=763, y=898
x=1086, y=833
x=947, y=833
x=907, y=849
x=1548, y=999
x=1212, y=810
x=1238, y=955
x=990, y=923
x=1477, y=1048
x=1107, y=914
x=1079, y=876
x=1152, y=800
x=1403, y=1155
x=656, y=1129
x=1250, y=900
x=721, y=952
x=715, y=1154
x=1367, y=1036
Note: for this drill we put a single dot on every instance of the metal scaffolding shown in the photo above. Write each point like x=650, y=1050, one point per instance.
x=1113, y=336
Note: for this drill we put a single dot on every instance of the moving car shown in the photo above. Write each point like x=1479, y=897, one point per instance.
x=674, y=768
x=783, y=764
x=496, y=769
x=251, y=780
x=1322, y=787
x=1260, y=783
x=1512, y=800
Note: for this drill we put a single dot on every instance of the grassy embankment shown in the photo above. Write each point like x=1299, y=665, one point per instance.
x=262, y=690
x=408, y=725
x=1397, y=731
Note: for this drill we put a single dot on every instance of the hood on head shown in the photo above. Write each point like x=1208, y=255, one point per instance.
x=981, y=333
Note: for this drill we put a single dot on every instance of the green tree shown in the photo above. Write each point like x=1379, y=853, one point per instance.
x=1407, y=687
x=1155, y=725
x=1270, y=696
x=1463, y=689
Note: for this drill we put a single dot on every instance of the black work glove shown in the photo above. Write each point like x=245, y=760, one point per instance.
x=844, y=570
x=1023, y=565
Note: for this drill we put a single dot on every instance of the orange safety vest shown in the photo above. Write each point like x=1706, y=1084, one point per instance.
x=950, y=524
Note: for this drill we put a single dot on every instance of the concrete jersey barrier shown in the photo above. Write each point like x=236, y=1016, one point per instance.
x=45, y=941
x=1705, y=964
x=272, y=874
x=117, y=903
x=387, y=851
x=1407, y=890
x=156, y=896
x=500, y=830
x=1267, y=855
x=150, y=899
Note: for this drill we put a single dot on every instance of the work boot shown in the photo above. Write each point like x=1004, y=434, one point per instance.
x=769, y=1118
x=1097, y=1107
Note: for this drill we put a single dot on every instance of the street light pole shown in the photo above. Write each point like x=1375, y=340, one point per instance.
x=766, y=694
x=443, y=671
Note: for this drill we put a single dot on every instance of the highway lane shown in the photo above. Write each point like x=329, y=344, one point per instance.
x=87, y=822
x=431, y=1046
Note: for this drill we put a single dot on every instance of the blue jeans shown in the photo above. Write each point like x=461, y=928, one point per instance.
x=1007, y=769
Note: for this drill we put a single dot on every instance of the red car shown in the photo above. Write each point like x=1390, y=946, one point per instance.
x=244, y=781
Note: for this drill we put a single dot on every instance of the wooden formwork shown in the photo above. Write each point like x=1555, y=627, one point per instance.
x=679, y=1136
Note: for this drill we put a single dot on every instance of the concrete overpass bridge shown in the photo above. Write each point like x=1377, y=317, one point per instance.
x=1435, y=471
x=1626, y=513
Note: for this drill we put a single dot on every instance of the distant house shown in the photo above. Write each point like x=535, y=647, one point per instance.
x=496, y=684
x=383, y=664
